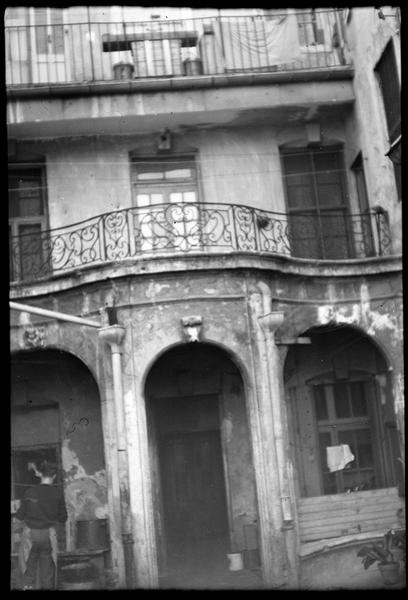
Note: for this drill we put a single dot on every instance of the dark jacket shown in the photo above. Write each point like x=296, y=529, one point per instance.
x=42, y=506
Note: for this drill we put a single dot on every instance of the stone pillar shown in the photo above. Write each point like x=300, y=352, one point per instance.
x=274, y=501
x=140, y=478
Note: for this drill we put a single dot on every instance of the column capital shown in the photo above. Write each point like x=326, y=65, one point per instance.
x=271, y=321
x=112, y=335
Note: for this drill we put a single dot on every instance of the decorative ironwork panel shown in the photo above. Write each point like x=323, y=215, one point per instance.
x=182, y=228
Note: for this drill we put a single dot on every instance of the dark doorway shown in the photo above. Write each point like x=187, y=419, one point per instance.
x=201, y=466
x=193, y=486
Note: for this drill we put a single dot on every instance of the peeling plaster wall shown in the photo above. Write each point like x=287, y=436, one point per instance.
x=150, y=307
x=68, y=383
x=367, y=37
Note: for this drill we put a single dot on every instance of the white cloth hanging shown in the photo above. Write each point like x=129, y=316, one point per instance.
x=338, y=457
x=261, y=43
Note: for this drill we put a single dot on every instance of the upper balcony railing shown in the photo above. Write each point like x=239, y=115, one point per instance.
x=190, y=228
x=95, y=52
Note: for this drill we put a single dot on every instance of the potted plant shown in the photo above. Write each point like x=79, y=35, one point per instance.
x=385, y=553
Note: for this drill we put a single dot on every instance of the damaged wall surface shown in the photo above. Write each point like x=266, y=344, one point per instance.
x=51, y=377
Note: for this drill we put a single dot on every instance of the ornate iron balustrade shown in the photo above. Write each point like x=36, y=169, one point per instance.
x=177, y=229
x=90, y=51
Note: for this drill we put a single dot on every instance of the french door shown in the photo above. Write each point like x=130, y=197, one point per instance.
x=319, y=223
x=49, y=46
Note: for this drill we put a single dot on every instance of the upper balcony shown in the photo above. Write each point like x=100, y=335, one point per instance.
x=176, y=230
x=94, y=52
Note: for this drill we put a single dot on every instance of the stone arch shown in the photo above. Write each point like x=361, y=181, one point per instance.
x=195, y=398
x=235, y=359
x=56, y=406
x=339, y=391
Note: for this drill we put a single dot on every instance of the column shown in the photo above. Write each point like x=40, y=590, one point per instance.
x=274, y=502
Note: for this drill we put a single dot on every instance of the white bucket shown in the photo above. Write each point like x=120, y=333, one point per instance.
x=235, y=561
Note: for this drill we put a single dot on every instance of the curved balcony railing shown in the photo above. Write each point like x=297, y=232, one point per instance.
x=205, y=228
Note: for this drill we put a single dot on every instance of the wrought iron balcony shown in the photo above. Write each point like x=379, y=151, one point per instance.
x=103, y=51
x=190, y=228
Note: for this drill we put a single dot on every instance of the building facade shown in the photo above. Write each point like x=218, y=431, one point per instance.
x=214, y=197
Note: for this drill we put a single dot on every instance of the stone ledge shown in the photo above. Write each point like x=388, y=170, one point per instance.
x=192, y=263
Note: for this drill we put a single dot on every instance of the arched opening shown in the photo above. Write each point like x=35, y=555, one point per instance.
x=200, y=453
x=56, y=414
x=343, y=434
x=339, y=393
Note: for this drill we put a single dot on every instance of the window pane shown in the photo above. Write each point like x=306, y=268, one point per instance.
x=364, y=448
x=341, y=401
x=25, y=195
x=176, y=197
x=358, y=401
x=150, y=175
x=189, y=197
x=57, y=31
x=348, y=437
x=30, y=246
x=320, y=403
x=329, y=479
x=30, y=201
x=143, y=199
x=178, y=174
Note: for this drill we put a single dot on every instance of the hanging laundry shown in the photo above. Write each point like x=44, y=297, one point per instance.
x=251, y=43
x=338, y=457
x=260, y=43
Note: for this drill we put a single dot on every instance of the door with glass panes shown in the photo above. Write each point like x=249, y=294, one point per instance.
x=49, y=45
x=319, y=225
x=165, y=194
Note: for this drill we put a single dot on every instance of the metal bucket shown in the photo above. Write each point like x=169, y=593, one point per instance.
x=193, y=66
x=123, y=70
x=92, y=535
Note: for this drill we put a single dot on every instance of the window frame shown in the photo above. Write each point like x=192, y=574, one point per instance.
x=165, y=187
x=393, y=129
x=316, y=210
x=15, y=222
x=360, y=182
x=335, y=424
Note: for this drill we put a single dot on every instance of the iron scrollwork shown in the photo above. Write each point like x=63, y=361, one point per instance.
x=197, y=227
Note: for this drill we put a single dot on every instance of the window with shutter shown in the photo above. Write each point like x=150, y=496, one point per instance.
x=387, y=74
x=388, y=78
x=317, y=205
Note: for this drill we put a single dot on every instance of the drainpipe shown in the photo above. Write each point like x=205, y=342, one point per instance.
x=53, y=314
x=113, y=335
x=269, y=322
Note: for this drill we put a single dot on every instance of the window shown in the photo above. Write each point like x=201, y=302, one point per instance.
x=342, y=416
x=388, y=78
x=27, y=221
x=165, y=194
x=362, y=230
x=49, y=33
x=310, y=34
x=317, y=206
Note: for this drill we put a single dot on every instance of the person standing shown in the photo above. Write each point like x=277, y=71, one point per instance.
x=42, y=507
